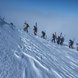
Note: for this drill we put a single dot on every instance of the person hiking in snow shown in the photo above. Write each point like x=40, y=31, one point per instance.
x=35, y=29
x=26, y=26
x=58, y=40
x=54, y=37
x=43, y=34
x=71, y=42
x=61, y=40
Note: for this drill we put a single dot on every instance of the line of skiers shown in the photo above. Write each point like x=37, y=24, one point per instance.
x=35, y=29
x=60, y=40
x=55, y=39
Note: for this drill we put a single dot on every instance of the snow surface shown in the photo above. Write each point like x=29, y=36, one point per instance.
x=23, y=55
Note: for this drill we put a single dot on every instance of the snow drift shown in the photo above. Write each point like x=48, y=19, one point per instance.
x=23, y=55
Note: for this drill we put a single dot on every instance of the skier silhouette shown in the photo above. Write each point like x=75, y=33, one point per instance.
x=35, y=29
x=26, y=26
x=58, y=40
x=71, y=42
x=43, y=34
x=54, y=37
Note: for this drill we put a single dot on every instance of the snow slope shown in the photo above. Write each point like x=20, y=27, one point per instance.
x=23, y=55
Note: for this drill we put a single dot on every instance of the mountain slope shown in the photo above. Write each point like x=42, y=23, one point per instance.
x=25, y=56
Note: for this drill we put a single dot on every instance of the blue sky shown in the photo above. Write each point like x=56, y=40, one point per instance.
x=40, y=5
x=51, y=15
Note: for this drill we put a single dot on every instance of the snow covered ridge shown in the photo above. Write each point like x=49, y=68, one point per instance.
x=25, y=56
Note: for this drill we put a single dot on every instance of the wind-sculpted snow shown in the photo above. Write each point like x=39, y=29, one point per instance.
x=60, y=61
x=23, y=55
